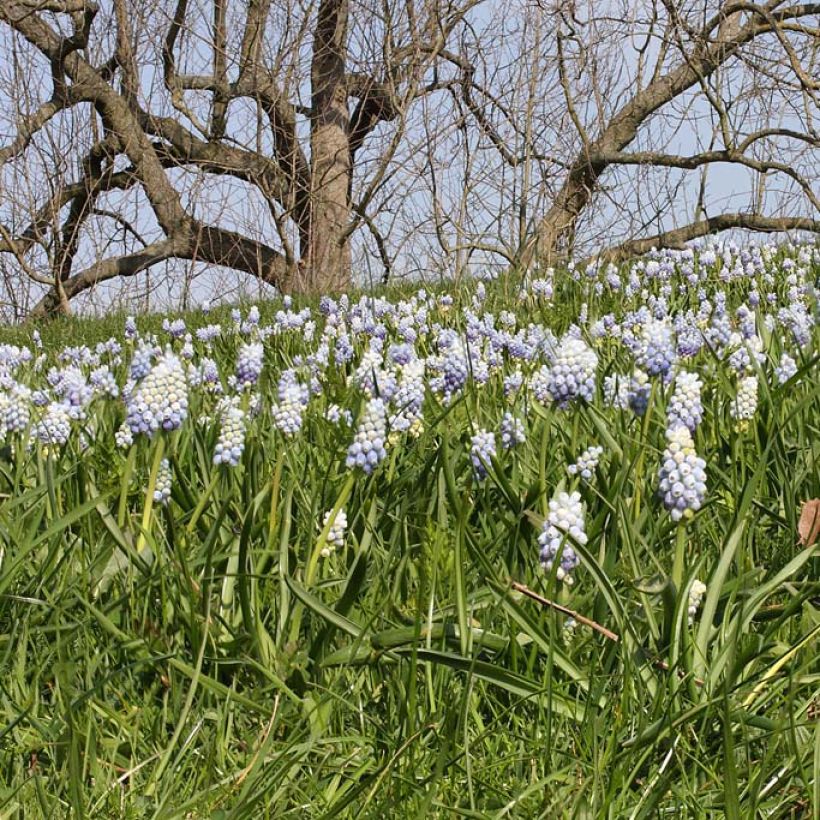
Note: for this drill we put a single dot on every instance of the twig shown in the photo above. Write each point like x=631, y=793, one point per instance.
x=607, y=633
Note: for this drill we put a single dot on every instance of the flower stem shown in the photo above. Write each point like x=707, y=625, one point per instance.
x=159, y=452
x=680, y=554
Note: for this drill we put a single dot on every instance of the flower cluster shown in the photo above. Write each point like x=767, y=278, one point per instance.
x=231, y=442
x=54, y=428
x=696, y=592
x=336, y=533
x=682, y=476
x=482, y=452
x=656, y=353
x=15, y=410
x=160, y=400
x=638, y=392
x=368, y=448
x=572, y=374
x=786, y=369
x=162, y=488
x=408, y=399
x=249, y=364
x=123, y=437
x=685, y=407
x=587, y=463
x=512, y=431
x=744, y=405
x=566, y=518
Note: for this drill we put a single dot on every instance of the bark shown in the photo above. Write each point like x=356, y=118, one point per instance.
x=326, y=259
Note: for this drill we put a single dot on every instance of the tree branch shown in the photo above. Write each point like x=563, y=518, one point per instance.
x=678, y=237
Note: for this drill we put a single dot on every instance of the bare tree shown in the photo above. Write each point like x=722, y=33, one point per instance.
x=292, y=141
x=283, y=95
x=737, y=64
x=605, y=129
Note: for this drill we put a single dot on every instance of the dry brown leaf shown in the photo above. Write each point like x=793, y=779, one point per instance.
x=809, y=524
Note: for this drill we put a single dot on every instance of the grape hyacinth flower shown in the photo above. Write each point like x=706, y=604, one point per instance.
x=15, y=409
x=685, y=407
x=336, y=533
x=162, y=489
x=160, y=400
x=572, y=375
x=637, y=395
x=54, y=428
x=367, y=450
x=231, y=442
x=293, y=399
x=249, y=364
x=288, y=413
x=616, y=391
x=482, y=452
x=565, y=518
x=454, y=365
x=696, y=593
x=786, y=369
x=657, y=352
x=141, y=362
x=130, y=327
x=682, y=476
x=408, y=399
x=104, y=382
x=335, y=414
x=513, y=382
x=587, y=463
x=123, y=437
x=744, y=405
x=175, y=329
x=512, y=431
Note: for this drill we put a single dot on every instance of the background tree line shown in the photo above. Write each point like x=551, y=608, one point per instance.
x=294, y=142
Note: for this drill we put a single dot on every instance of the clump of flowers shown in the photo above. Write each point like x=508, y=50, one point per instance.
x=482, y=452
x=682, y=476
x=335, y=415
x=696, y=593
x=656, y=352
x=616, y=391
x=685, y=407
x=123, y=437
x=368, y=448
x=336, y=533
x=587, y=463
x=408, y=399
x=15, y=410
x=288, y=413
x=564, y=521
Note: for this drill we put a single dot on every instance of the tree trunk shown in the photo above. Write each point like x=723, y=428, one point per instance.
x=326, y=260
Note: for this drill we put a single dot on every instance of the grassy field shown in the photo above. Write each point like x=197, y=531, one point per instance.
x=186, y=638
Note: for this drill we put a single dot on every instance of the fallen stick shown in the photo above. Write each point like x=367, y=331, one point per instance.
x=571, y=613
x=607, y=633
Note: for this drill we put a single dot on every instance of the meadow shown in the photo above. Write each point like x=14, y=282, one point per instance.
x=523, y=548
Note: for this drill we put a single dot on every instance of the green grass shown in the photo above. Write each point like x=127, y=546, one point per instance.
x=227, y=670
